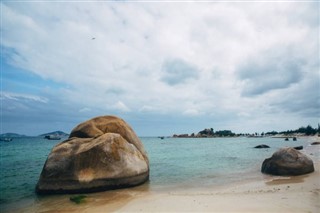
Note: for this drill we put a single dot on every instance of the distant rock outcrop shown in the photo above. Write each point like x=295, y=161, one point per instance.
x=180, y=136
x=286, y=162
x=102, y=153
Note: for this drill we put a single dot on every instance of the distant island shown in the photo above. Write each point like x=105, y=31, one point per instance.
x=60, y=134
x=210, y=133
x=207, y=133
x=11, y=135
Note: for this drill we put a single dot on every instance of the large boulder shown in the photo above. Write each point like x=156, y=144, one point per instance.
x=100, y=154
x=286, y=162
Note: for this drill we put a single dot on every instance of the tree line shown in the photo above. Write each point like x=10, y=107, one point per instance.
x=308, y=130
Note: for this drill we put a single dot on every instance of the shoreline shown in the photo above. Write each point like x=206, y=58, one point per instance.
x=260, y=193
x=270, y=194
x=265, y=194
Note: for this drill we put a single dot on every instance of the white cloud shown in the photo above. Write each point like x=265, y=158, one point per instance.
x=22, y=97
x=121, y=107
x=85, y=109
x=243, y=114
x=147, y=108
x=191, y=112
x=169, y=58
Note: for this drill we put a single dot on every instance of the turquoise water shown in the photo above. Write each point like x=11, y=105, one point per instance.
x=174, y=162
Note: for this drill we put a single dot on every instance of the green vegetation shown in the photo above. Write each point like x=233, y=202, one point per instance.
x=224, y=133
x=309, y=130
x=207, y=133
x=78, y=199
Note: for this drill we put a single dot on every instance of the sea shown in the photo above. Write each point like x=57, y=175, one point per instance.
x=174, y=163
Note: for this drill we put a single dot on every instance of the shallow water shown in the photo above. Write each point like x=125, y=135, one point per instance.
x=174, y=162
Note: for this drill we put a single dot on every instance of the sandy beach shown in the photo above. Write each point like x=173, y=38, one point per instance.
x=263, y=194
x=299, y=194
x=270, y=194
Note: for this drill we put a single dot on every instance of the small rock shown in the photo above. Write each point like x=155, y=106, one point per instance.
x=261, y=146
x=298, y=147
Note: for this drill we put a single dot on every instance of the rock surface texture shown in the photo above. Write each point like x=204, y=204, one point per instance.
x=287, y=162
x=100, y=154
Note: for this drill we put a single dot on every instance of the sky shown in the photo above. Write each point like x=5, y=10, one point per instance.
x=166, y=68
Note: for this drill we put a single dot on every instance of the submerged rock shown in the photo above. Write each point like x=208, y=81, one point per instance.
x=315, y=143
x=287, y=161
x=262, y=146
x=102, y=153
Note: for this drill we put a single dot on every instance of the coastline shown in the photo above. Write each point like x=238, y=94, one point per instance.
x=263, y=193
x=269, y=194
x=297, y=194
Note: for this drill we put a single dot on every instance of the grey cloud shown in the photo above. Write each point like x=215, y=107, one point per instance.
x=19, y=107
x=177, y=71
x=307, y=15
x=115, y=91
x=270, y=71
x=33, y=115
x=303, y=99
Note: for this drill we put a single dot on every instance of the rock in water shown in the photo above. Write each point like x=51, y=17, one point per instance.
x=286, y=162
x=298, y=147
x=262, y=146
x=100, y=154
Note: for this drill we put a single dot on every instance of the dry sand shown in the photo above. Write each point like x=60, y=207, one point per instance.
x=267, y=194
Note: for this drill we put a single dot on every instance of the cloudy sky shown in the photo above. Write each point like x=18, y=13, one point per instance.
x=164, y=67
